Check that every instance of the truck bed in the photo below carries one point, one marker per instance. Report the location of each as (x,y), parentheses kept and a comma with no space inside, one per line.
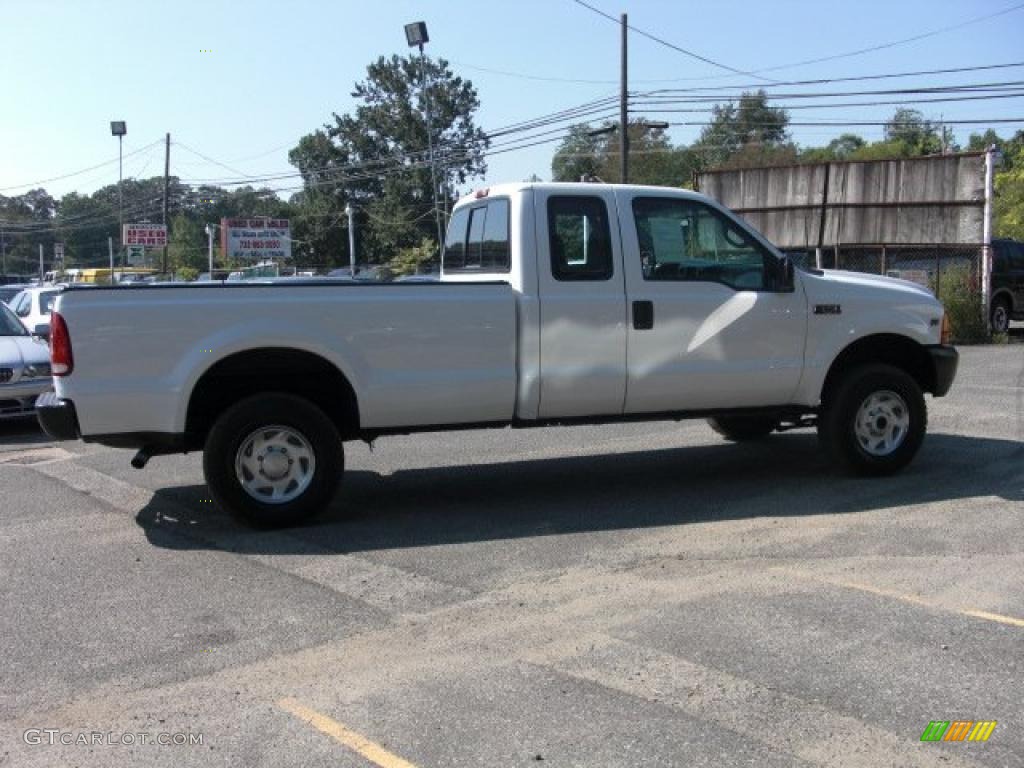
(419,354)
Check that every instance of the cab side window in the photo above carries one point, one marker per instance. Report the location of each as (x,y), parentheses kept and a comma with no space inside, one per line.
(685,240)
(579,237)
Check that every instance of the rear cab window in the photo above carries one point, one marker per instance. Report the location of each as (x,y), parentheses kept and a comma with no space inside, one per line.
(478,238)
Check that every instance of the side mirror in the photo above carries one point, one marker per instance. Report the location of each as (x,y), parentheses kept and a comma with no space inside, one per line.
(785,280)
(42,331)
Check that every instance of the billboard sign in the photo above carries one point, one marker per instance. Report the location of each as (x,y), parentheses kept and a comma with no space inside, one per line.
(256,239)
(145,234)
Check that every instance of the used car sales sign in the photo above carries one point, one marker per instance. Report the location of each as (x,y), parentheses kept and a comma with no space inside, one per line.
(256,239)
(145,234)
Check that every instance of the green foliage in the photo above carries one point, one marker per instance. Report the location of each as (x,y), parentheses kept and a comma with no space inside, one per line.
(1008,210)
(415,259)
(652,158)
(188,274)
(960,293)
(750,124)
(387,140)
(187,244)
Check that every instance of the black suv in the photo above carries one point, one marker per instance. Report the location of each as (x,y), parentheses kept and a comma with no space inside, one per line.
(1007,284)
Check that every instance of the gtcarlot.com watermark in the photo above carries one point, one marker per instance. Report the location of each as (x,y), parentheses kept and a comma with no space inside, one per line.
(55,736)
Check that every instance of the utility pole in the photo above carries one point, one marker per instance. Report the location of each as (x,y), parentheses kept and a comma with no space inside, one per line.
(167,173)
(351,213)
(110,250)
(3,249)
(41,271)
(624,112)
(986,236)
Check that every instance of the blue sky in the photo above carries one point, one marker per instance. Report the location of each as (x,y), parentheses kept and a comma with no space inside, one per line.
(275,71)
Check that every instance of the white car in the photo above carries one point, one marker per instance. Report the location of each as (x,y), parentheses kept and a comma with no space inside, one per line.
(24,367)
(33,305)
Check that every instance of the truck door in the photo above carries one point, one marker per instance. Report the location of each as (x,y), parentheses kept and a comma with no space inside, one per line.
(708,326)
(582,303)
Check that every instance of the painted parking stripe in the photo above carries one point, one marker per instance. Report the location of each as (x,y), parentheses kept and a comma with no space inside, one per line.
(986,615)
(373,752)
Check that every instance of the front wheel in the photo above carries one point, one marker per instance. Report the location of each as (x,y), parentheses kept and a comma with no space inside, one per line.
(273,460)
(875,421)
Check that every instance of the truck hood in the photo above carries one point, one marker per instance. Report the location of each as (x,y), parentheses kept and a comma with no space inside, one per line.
(843,282)
(16,351)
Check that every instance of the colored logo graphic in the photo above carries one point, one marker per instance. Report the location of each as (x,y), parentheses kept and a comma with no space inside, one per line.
(958,730)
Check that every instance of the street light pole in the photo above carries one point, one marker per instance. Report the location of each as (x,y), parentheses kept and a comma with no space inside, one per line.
(416,35)
(209,246)
(119,128)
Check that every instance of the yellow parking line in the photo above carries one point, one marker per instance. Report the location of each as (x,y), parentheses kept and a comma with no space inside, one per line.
(986,615)
(375,753)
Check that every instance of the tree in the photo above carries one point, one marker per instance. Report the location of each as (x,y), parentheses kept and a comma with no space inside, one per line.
(1008,209)
(652,158)
(187,246)
(750,125)
(843,147)
(909,128)
(377,158)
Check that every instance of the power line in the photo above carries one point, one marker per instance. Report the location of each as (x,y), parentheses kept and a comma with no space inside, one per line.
(894,43)
(660,41)
(80,172)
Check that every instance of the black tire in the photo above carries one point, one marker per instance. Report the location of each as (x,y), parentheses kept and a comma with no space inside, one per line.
(307,430)
(741,428)
(1000,316)
(878,446)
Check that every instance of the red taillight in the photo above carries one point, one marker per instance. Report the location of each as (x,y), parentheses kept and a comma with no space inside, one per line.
(62,362)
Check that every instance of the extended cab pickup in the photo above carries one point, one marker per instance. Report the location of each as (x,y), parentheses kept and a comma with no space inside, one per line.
(557,304)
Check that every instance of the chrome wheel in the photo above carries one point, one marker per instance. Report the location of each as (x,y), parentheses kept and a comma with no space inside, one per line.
(882,423)
(275,464)
(1000,318)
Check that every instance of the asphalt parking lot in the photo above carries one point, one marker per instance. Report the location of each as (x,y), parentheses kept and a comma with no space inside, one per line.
(641,595)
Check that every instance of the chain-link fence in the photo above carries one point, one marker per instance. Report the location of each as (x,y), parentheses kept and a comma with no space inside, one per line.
(933,266)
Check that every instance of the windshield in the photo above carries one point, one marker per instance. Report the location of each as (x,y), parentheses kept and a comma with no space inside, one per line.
(10,325)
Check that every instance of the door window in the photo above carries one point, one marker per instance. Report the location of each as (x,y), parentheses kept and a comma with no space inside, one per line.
(580,238)
(685,240)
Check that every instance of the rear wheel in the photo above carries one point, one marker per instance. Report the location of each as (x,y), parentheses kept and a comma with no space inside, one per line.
(742,428)
(875,421)
(1000,317)
(273,460)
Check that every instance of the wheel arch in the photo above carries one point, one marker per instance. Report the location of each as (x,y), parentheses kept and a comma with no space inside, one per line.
(889,348)
(1003,294)
(271,369)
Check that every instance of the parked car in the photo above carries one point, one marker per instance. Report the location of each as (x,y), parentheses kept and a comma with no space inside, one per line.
(24,367)
(33,305)
(1007,283)
(558,304)
(8,292)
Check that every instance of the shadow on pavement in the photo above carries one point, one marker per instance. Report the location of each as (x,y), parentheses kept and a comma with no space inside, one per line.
(24,431)
(785,475)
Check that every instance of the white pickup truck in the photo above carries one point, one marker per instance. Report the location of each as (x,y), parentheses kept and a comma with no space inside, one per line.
(557,304)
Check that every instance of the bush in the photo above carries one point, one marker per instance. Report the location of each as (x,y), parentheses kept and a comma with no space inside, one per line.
(188,274)
(960,294)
